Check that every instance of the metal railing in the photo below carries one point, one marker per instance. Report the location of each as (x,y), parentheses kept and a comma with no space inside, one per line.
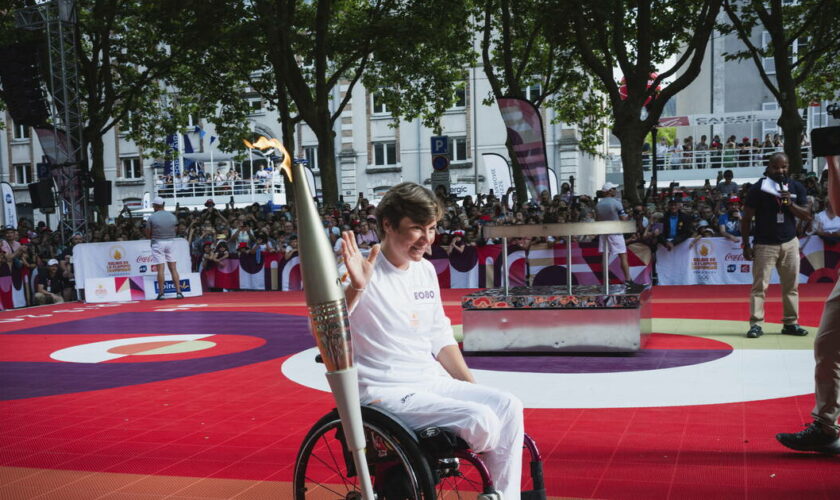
(252,190)
(564,229)
(713,158)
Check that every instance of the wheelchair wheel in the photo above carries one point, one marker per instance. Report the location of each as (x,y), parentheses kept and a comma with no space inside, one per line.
(324,469)
(464,475)
(460,478)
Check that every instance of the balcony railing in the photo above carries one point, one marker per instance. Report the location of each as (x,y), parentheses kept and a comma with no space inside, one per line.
(244,192)
(716,158)
(725,159)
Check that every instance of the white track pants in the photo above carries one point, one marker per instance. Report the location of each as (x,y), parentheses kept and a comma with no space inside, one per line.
(490,420)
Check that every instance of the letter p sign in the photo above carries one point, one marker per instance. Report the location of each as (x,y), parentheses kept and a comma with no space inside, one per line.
(440,145)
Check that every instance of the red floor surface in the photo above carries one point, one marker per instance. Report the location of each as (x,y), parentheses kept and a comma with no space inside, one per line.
(234,432)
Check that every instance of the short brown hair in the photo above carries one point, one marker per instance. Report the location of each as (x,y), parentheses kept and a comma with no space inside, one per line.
(407,199)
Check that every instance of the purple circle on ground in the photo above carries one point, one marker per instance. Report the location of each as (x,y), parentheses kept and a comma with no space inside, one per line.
(646,359)
(284,334)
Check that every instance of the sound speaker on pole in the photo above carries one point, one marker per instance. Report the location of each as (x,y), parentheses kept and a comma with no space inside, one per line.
(22,85)
(41,194)
(101,193)
(825,141)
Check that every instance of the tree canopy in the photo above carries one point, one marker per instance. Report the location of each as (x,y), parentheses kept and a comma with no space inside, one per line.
(638,37)
(800,60)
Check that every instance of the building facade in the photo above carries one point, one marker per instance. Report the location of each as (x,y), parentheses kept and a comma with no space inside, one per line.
(373,151)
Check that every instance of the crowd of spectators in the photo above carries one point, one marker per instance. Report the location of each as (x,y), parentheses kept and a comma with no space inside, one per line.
(195,181)
(215,234)
(688,153)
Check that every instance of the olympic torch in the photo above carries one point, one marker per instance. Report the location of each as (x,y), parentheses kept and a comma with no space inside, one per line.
(328,318)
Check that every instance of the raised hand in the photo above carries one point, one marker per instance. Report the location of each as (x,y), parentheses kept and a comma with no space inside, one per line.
(359,268)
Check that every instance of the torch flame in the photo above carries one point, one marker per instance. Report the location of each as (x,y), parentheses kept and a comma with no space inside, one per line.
(263,143)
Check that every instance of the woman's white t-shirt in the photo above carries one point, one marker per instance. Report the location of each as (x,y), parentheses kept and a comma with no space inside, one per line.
(398,326)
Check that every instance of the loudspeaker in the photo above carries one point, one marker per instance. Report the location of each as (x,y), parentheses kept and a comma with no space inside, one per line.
(101,193)
(41,194)
(825,141)
(22,88)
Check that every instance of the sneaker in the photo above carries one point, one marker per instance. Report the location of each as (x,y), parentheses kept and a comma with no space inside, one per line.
(159,297)
(179,295)
(754,332)
(811,439)
(794,329)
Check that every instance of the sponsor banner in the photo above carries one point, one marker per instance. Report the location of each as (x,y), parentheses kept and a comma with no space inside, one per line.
(525,131)
(708,261)
(498,173)
(190,286)
(462,190)
(13,284)
(9,207)
(122,259)
(720,118)
(553,186)
(719,261)
(119,289)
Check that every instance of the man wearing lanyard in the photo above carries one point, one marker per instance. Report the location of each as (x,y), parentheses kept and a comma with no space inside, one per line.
(775,202)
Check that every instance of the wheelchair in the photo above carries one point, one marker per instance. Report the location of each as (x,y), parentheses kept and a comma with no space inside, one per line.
(404,464)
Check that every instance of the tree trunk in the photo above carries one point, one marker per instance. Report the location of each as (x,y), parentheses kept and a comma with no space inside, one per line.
(631,137)
(792,128)
(519,184)
(326,161)
(288,133)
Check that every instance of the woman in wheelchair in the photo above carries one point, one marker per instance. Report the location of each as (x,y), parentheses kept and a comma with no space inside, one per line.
(411,372)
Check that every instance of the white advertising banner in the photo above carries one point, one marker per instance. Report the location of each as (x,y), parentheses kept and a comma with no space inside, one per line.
(714,261)
(9,206)
(126,289)
(498,173)
(122,259)
(720,118)
(552,182)
(190,286)
(462,190)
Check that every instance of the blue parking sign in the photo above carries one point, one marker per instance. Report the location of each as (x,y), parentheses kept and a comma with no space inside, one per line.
(440,145)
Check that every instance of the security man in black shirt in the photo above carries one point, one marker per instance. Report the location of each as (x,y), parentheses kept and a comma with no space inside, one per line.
(776,244)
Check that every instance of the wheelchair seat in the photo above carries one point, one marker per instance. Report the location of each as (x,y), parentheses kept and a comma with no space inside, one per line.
(440,442)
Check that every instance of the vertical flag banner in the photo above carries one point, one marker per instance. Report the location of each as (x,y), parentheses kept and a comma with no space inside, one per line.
(498,173)
(552,182)
(10,217)
(54,144)
(525,133)
(171,166)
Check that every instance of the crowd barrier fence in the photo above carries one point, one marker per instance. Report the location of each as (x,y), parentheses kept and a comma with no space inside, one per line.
(702,261)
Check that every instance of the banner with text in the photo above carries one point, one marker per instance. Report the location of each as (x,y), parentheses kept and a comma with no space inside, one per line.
(719,261)
(123,259)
